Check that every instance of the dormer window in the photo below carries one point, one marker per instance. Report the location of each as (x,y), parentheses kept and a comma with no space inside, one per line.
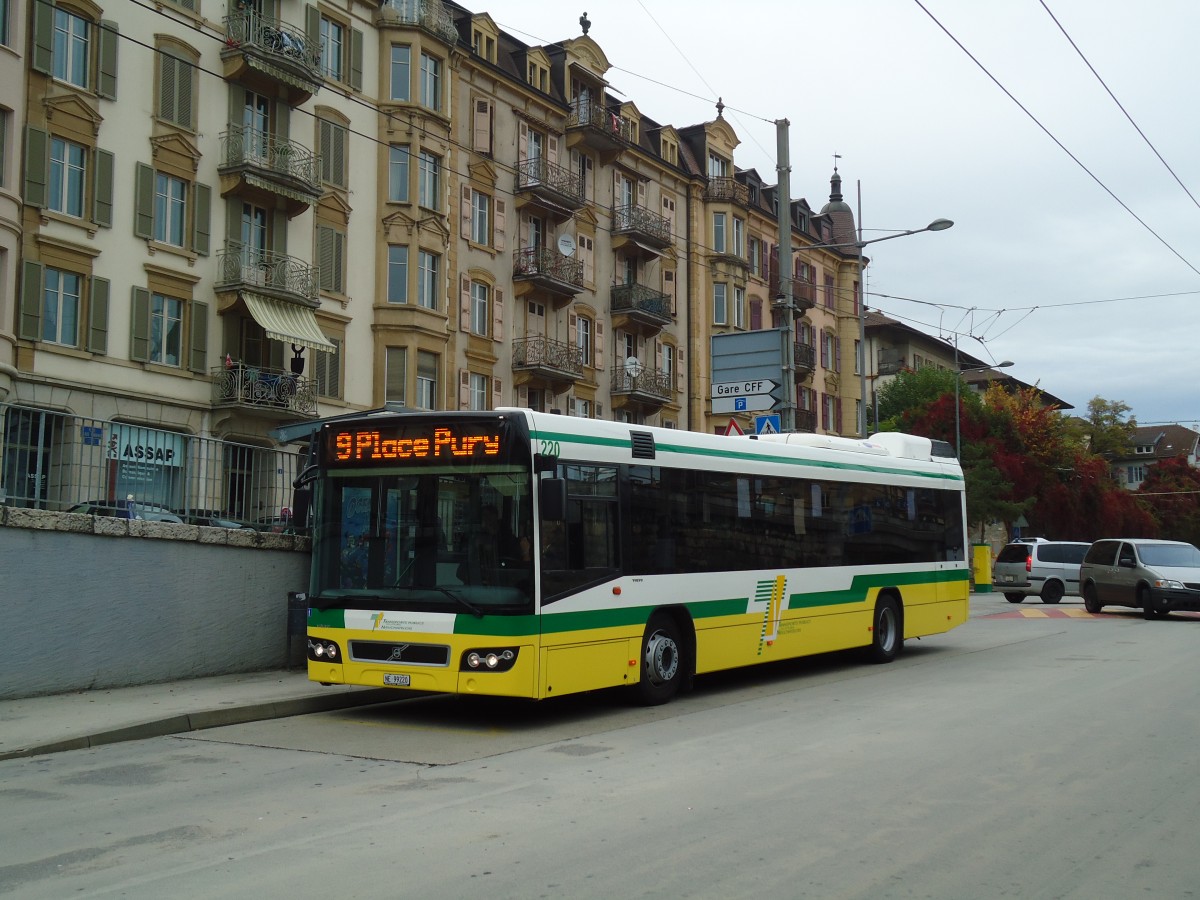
(718,166)
(484,45)
(539,77)
(670,151)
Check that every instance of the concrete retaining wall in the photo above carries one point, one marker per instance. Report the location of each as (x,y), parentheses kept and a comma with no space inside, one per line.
(96,602)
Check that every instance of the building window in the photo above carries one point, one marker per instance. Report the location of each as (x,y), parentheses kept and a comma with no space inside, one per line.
(431,82)
(166,330)
(170,209)
(398,174)
(583,338)
(720,305)
(401,72)
(70,48)
(176,79)
(718,167)
(395,376)
(332,146)
(479,391)
(829,292)
(68,172)
(427,284)
(332,41)
(739,238)
(397,279)
(857,357)
(427,364)
(480,314)
(60,307)
(739,307)
(718,232)
(756,257)
(481,210)
(428,178)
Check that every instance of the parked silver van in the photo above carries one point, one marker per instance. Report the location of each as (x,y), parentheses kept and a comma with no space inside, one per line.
(1158,576)
(1038,567)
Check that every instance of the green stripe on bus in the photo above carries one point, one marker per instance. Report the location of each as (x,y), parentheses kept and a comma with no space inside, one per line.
(622,444)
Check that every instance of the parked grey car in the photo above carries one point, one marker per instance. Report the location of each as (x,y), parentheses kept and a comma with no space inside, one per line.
(1048,569)
(1157,576)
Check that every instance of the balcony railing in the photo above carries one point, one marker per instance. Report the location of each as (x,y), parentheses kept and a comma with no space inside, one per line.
(544,262)
(275,41)
(806,420)
(263,388)
(804,358)
(642,300)
(598,121)
(724,188)
(638,221)
(642,382)
(242,266)
(539,174)
(804,293)
(244,146)
(428,15)
(550,356)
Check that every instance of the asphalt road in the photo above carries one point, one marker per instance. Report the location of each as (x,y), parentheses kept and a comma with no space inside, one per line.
(1022,755)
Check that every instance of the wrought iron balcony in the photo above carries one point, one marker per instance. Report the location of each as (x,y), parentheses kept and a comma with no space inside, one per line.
(806,420)
(641,304)
(650,387)
(804,293)
(547,358)
(428,15)
(266,163)
(560,189)
(242,267)
(597,127)
(804,358)
(547,269)
(642,224)
(891,362)
(263,51)
(262,389)
(724,188)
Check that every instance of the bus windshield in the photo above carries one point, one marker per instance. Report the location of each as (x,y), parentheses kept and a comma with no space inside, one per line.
(432,538)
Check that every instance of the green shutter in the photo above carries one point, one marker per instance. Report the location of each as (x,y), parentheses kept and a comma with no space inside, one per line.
(198,361)
(325,241)
(98,317)
(168,74)
(202,220)
(339,262)
(143,202)
(339,155)
(37,163)
(139,326)
(356,59)
(312,25)
(102,201)
(30,328)
(185,82)
(43,38)
(108,59)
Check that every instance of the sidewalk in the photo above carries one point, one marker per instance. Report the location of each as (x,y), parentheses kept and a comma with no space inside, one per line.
(58,722)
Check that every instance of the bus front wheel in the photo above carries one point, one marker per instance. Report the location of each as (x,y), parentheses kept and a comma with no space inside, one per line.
(887,636)
(662,661)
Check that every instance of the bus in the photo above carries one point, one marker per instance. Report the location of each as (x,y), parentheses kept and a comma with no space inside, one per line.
(525,554)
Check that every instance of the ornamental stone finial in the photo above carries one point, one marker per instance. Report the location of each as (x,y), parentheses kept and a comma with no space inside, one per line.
(584,23)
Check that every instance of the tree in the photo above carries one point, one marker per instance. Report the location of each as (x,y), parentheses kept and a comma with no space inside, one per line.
(1108,432)
(906,399)
(989,495)
(1172,490)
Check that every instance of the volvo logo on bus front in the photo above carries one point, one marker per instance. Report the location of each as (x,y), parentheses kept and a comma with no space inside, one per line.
(398,653)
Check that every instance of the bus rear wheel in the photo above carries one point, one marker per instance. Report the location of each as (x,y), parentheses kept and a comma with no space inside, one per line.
(887,635)
(662,661)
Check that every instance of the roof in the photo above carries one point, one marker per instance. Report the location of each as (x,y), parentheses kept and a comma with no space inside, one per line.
(1168,441)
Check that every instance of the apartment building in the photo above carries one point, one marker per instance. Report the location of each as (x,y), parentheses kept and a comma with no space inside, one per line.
(218,218)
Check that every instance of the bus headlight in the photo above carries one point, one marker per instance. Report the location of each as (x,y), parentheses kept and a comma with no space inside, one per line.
(489,659)
(323,651)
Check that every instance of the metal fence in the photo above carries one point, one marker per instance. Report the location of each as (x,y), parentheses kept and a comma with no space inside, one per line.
(55,461)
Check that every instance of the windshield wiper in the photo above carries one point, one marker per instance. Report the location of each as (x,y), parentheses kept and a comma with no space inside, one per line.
(462,601)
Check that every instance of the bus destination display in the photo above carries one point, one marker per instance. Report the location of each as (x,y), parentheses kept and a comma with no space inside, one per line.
(408,443)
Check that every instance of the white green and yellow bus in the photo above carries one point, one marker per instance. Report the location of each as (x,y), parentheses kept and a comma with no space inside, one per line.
(525,554)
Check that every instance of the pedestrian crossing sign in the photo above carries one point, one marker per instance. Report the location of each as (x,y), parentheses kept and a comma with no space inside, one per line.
(766,424)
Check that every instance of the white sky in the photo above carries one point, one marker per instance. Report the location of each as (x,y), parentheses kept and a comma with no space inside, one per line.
(1043,266)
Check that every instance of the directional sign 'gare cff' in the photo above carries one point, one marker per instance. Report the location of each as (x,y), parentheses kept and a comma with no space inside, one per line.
(744,388)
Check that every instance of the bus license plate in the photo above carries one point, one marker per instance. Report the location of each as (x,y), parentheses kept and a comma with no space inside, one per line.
(397,680)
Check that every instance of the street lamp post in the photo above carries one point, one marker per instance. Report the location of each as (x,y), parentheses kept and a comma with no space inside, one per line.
(958,374)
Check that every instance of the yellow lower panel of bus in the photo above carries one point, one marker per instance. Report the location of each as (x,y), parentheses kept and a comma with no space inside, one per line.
(728,644)
(571,668)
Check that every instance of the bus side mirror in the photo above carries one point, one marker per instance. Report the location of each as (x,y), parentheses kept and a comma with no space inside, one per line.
(554,499)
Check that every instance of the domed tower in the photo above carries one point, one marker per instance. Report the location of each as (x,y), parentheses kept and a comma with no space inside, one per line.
(839,212)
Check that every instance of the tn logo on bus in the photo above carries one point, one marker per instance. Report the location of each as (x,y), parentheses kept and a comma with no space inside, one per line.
(770,594)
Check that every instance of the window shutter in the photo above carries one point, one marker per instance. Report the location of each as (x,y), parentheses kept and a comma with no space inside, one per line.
(168,88)
(523,396)
(43,38)
(570,406)
(102,199)
(109,40)
(679,370)
(641,193)
(143,202)
(498,226)
(339,156)
(497,315)
(139,347)
(97,340)
(572,330)
(31,302)
(464,389)
(37,160)
(497,394)
(466,212)
(198,361)
(522,142)
(552,149)
(356,59)
(482,133)
(464,303)
(837,354)
(185,76)
(201,220)
(312,25)
(598,346)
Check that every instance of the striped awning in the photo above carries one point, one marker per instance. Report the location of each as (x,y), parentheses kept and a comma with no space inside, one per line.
(310,87)
(282,190)
(287,322)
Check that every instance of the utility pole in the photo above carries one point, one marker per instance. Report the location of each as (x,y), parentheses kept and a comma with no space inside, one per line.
(783,262)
